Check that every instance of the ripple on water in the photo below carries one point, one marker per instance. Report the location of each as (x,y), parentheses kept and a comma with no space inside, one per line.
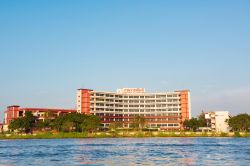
(151,151)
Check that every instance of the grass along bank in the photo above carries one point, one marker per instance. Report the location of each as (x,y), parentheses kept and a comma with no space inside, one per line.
(120,134)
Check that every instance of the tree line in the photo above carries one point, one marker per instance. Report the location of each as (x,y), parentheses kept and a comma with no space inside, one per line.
(66,123)
(72,122)
(194,123)
(240,122)
(89,123)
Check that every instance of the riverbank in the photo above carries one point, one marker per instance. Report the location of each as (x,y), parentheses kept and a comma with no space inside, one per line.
(130,134)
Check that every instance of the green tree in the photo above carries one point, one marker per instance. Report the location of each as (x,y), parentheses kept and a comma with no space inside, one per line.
(45,124)
(25,123)
(202,120)
(192,124)
(115,125)
(57,123)
(91,123)
(239,122)
(67,126)
(138,123)
(17,124)
(76,122)
(68,122)
(29,121)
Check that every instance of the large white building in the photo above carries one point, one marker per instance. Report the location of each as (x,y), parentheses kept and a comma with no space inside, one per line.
(216,120)
(165,110)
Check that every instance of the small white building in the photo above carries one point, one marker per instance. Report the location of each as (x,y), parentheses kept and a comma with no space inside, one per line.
(217,120)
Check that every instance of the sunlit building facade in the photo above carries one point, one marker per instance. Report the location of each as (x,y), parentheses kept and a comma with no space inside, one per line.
(16,111)
(164,110)
(216,120)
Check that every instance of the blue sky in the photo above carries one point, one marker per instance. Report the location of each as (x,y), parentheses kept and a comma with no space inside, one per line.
(50,48)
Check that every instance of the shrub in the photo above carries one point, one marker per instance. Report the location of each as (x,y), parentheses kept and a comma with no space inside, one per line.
(223,134)
(237,134)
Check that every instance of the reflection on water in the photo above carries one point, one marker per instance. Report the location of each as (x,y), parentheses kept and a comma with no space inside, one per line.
(126,151)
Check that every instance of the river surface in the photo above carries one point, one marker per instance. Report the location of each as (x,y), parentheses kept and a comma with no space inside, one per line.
(126,151)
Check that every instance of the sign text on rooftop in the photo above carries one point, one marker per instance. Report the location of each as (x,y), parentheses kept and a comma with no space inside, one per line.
(131,90)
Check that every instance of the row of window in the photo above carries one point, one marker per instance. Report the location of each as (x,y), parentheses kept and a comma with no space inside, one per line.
(153,105)
(148,120)
(134,97)
(132,115)
(136,101)
(150,110)
(137,110)
(151,125)
(165,125)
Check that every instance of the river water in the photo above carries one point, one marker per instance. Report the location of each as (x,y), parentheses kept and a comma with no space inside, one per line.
(126,151)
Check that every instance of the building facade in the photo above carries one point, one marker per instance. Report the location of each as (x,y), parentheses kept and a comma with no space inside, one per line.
(216,120)
(165,110)
(16,111)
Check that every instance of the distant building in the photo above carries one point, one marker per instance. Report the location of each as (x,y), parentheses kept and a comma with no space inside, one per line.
(15,111)
(164,110)
(216,120)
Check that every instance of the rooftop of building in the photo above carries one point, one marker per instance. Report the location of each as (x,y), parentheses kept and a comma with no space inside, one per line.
(41,109)
(133,91)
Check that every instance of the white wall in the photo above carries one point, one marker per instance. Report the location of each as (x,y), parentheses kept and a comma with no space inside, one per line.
(220,121)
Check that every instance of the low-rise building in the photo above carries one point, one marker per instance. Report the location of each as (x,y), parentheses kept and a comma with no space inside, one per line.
(16,111)
(216,120)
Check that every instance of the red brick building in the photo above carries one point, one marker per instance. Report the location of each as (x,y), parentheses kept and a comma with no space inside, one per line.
(16,111)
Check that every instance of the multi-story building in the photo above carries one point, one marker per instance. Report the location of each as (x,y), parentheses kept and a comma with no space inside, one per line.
(15,111)
(216,120)
(165,110)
